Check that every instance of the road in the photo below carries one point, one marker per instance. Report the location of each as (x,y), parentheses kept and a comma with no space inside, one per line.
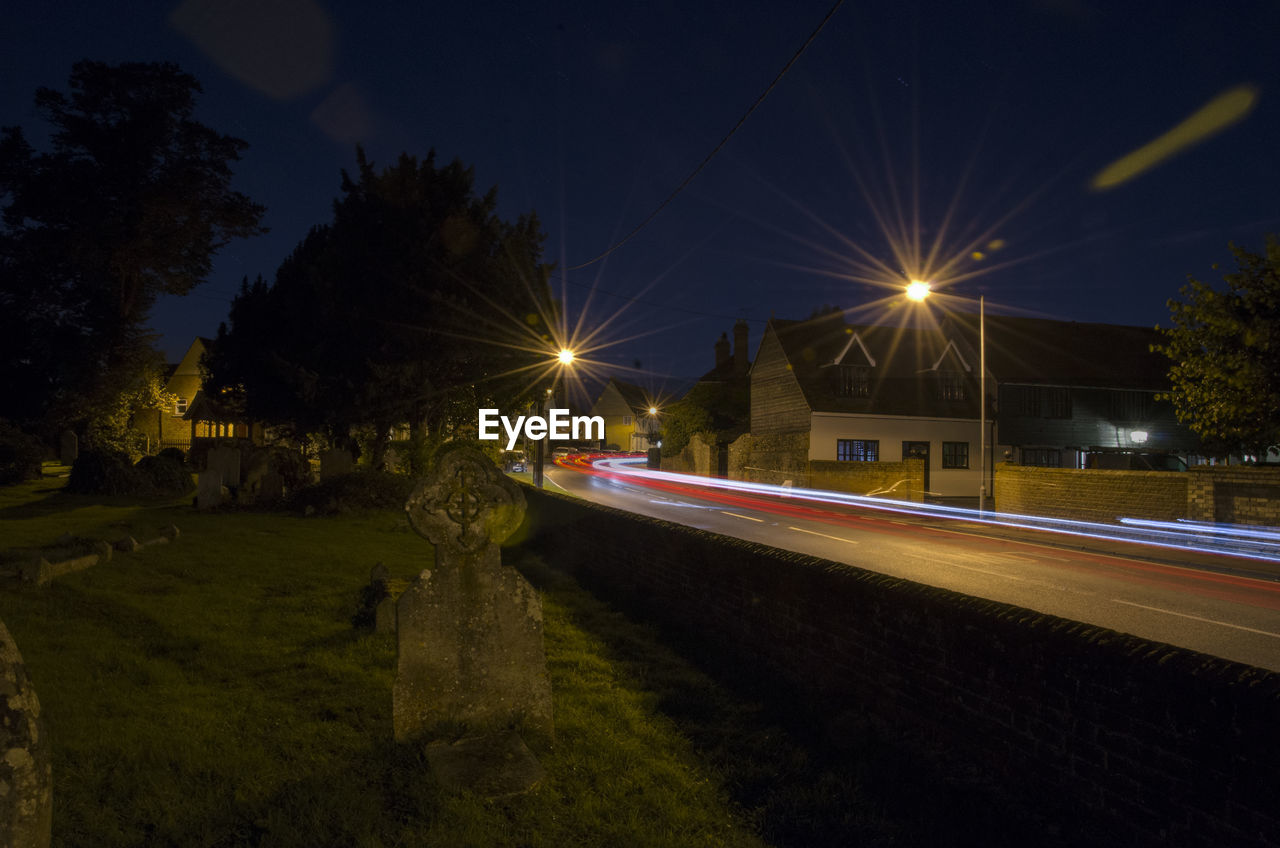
(1227,606)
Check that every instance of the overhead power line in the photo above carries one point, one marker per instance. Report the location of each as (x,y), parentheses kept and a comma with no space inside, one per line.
(694,173)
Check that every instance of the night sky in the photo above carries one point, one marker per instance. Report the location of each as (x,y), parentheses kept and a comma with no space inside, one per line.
(988,122)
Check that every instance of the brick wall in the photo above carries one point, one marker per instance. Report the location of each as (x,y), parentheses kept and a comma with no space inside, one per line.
(1156,745)
(785,456)
(1235,494)
(1092,494)
(770,458)
(696,458)
(899,480)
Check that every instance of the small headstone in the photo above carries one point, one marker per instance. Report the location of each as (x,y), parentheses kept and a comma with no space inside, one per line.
(378,574)
(26,785)
(209,489)
(335,462)
(128,544)
(69,447)
(103,549)
(171,532)
(384,616)
(471,670)
(270,488)
(226,460)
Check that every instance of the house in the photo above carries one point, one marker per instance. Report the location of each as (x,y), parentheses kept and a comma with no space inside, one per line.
(1079,395)
(629,415)
(826,391)
(192,415)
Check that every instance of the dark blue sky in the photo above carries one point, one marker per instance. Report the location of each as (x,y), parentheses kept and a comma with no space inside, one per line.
(592,113)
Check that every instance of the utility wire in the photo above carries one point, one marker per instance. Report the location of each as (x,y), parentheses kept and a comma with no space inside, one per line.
(718,147)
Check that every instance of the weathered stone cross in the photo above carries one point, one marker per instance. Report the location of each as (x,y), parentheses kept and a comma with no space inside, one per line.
(471,677)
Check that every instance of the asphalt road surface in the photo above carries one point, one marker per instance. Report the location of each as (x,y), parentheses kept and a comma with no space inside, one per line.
(1227,606)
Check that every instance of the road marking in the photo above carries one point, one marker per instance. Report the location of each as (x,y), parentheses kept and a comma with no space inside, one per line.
(984,571)
(1196,617)
(824,535)
(749,518)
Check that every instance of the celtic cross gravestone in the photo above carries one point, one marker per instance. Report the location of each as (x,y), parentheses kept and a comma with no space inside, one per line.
(471,676)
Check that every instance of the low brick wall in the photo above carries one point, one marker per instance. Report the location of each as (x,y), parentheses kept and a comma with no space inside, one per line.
(694,459)
(1234,494)
(1092,494)
(1155,744)
(899,480)
(777,459)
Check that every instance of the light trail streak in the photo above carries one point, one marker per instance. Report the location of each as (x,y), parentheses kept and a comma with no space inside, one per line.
(1253,546)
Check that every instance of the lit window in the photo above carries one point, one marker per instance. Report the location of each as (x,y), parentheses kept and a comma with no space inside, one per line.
(951,385)
(955,454)
(858,450)
(855,381)
(180,406)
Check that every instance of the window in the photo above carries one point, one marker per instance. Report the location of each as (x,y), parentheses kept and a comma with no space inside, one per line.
(858,450)
(955,454)
(1036,401)
(626,421)
(855,381)
(951,385)
(180,406)
(1129,406)
(1043,457)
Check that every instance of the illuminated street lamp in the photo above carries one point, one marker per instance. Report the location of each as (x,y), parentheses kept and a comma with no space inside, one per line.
(565,356)
(565,360)
(918,290)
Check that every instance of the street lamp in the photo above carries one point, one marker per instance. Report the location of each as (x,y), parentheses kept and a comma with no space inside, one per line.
(918,290)
(564,358)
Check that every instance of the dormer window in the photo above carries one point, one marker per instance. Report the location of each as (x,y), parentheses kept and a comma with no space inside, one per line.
(180,406)
(951,385)
(855,381)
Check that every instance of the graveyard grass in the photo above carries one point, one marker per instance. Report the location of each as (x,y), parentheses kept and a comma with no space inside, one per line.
(215,692)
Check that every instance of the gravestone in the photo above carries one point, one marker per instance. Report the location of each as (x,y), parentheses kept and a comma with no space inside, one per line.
(69,447)
(208,489)
(335,462)
(226,460)
(270,488)
(26,786)
(471,675)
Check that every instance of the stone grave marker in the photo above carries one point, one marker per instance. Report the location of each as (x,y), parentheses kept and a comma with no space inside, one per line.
(209,489)
(69,447)
(271,488)
(226,460)
(26,799)
(334,462)
(471,676)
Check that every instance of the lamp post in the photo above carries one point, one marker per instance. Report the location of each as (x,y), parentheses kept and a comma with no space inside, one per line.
(564,358)
(918,290)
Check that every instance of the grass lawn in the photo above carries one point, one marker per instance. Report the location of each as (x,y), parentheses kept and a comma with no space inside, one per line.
(214,693)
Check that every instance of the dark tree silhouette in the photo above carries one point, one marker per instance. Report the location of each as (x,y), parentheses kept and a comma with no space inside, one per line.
(416,305)
(130,202)
(1225,351)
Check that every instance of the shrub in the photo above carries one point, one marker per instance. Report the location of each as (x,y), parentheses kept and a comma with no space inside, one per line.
(99,471)
(356,492)
(20,454)
(166,475)
(175,454)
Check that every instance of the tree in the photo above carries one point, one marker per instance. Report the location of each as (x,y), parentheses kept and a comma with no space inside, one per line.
(719,411)
(416,304)
(1225,351)
(132,201)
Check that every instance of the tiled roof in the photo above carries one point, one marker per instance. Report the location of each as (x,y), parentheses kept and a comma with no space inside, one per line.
(1067,353)
(904,367)
(635,397)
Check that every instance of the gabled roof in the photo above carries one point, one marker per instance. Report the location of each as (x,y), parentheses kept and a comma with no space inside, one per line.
(634,396)
(903,365)
(1066,353)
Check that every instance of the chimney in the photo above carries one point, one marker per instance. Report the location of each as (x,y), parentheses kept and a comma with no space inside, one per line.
(740,347)
(722,350)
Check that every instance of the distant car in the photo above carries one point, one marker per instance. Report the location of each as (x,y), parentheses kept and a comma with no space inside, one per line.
(514,460)
(561,453)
